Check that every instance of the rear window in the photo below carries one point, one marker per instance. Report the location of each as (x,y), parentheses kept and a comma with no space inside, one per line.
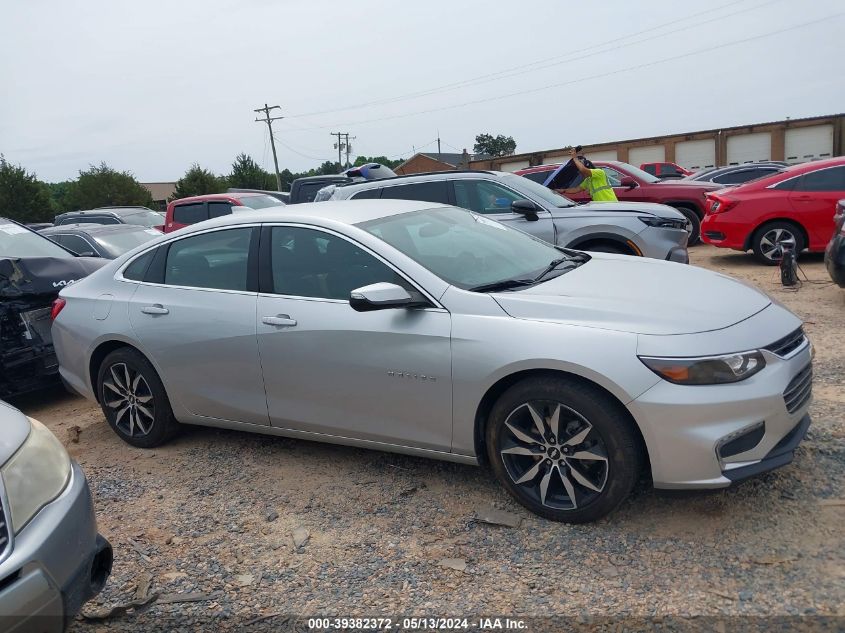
(308,190)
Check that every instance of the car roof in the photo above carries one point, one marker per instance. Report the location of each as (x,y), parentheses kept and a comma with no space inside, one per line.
(94,229)
(420,177)
(234,195)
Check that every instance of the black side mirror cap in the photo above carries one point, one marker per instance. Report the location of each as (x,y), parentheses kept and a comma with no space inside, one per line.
(526,208)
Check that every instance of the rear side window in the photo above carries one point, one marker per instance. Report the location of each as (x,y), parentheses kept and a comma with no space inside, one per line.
(218,209)
(538,176)
(831,179)
(652,169)
(212,260)
(190,213)
(434,191)
(137,270)
(75,243)
(368,194)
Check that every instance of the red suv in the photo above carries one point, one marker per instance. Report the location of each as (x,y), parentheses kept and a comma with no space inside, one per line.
(792,209)
(213,205)
(633,184)
(665,170)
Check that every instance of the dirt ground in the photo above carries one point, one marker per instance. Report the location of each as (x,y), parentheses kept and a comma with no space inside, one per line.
(216,513)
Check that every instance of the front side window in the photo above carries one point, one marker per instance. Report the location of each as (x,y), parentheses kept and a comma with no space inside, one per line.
(636,172)
(484,196)
(537,190)
(190,213)
(432,191)
(312,263)
(212,260)
(614,178)
(832,179)
(651,168)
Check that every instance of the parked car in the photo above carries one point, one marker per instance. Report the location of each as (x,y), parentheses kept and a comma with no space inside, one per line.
(140,216)
(281,196)
(100,240)
(187,211)
(665,170)
(634,185)
(736,174)
(424,329)
(32,271)
(649,230)
(37,226)
(834,254)
(793,208)
(305,189)
(52,560)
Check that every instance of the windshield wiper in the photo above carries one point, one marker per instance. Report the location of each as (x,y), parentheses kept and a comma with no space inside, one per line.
(552,265)
(505,284)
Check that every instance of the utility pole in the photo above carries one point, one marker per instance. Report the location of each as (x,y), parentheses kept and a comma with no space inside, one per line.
(348,148)
(438,141)
(339,146)
(269,121)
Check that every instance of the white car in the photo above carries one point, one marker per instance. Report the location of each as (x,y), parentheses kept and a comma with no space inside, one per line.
(428,330)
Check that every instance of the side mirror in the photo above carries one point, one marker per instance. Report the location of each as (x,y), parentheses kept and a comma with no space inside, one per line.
(526,208)
(628,183)
(380,296)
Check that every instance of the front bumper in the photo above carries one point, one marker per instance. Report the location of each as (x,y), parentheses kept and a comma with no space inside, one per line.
(664,243)
(834,260)
(55,564)
(685,427)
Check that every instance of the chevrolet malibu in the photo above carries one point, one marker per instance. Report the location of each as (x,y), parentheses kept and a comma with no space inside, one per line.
(427,330)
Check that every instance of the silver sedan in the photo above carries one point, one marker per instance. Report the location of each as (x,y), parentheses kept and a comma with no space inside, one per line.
(427,330)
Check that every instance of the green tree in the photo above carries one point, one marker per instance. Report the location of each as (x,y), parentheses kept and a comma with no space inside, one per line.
(22,196)
(494,145)
(198,181)
(58,192)
(247,174)
(384,160)
(102,186)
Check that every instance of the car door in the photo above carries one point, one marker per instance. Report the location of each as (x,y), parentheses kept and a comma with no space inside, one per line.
(494,200)
(382,376)
(814,200)
(194,315)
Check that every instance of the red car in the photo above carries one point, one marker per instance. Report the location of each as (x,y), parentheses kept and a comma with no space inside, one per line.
(665,170)
(793,209)
(213,205)
(633,184)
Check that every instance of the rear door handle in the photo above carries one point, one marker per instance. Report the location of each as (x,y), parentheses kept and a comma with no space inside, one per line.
(282,320)
(803,198)
(155,309)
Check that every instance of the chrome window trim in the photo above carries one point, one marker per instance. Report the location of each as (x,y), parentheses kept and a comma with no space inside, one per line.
(801,175)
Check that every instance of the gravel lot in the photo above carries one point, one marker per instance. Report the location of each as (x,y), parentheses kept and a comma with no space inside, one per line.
(216,513)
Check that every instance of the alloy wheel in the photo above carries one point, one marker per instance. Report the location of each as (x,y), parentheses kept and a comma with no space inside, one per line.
(773,241)
(554,454)
(128,395)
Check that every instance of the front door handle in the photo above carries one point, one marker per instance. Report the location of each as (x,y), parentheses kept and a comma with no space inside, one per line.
(155,309)
(282,320)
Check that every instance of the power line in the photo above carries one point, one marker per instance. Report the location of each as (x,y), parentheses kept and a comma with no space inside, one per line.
(583,79)
(548,62)
(295,151)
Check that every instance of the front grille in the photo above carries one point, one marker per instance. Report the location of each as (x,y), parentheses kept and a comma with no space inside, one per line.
(787,344)
(799,390)
(4,532)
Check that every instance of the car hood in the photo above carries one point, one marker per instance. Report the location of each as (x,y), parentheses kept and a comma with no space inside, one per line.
(23,276)
(653,208)
(15,430)
(638,295)
(696,185)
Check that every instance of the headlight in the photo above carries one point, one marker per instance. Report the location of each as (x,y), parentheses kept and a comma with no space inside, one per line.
(35,475)
(706,370)
(665,223)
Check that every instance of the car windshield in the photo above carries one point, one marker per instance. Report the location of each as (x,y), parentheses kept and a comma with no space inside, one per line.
(143,218)
(118,243)
(16,241)
(636,172)
(463,248)
(260,202)
(536,189)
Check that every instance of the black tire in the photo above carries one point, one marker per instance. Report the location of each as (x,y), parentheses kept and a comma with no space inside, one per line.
(597,424)
(769,240)
(605,247)
(694,225)
(141,415)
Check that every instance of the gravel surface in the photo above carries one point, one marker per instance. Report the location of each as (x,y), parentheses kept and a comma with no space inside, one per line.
(262,525)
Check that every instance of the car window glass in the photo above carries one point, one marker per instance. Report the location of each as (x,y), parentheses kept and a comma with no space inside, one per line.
(311,263)
(257,202)
(91,219)
(368,194)
(75,243)
(832,179)
(219,209)
(732,178)
(433,191)
(652,169)
(190,213)
(614,178)
(538,176)
(308,190)
(211,260)
(138,268)
(483,196)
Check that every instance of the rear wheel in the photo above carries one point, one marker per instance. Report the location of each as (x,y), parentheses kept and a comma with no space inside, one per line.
(564,449)
(770,240)
(693,225)
(133,399)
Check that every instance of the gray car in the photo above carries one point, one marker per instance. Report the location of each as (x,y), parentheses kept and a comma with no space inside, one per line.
(628,228)
(51,558)
(100,240)
(427,330)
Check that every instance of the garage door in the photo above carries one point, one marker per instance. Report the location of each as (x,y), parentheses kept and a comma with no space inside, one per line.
(514,165)
(696,154)
(749,148)
(650,154)
(808,143)
(562,158)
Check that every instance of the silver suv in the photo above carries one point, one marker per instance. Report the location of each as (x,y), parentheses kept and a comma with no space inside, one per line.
(628,228)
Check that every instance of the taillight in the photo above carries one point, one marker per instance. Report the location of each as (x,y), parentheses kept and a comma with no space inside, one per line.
(720,205)
(58,304)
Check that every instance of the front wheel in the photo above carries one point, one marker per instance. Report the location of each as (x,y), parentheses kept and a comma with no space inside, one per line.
(693,225)
(564,449)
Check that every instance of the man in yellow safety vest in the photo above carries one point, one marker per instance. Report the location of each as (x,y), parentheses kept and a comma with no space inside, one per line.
(595,181)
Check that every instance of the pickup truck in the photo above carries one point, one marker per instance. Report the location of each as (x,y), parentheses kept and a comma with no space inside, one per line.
(634,185)
(305,189)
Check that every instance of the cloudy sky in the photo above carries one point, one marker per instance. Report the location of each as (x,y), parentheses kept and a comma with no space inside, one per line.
(154,86)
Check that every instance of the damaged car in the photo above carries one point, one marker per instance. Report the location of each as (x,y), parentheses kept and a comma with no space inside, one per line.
(33,270)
